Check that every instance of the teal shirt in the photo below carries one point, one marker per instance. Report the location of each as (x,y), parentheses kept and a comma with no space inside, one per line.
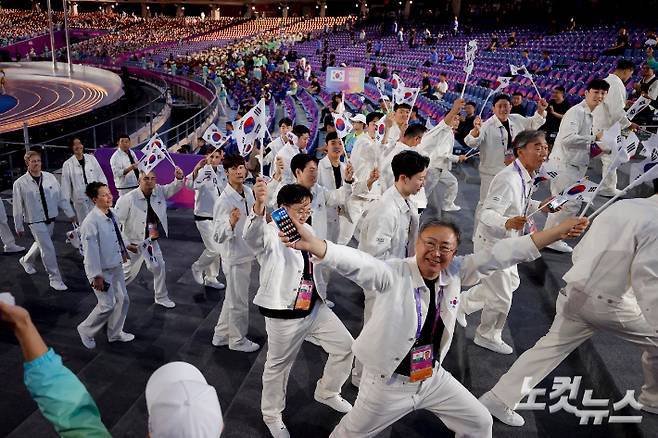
(63,399)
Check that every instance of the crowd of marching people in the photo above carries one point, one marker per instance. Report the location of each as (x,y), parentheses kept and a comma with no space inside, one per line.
(372,213)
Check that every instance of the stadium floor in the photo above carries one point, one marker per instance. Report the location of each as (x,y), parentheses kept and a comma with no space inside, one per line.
(116,374)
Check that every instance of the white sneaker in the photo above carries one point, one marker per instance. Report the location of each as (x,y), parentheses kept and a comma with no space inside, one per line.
(58,285)
(461,317)
(498,347)
(219,342)
(12,247)
(500,410)
(166,302)
(277,429)
(87,341)
(197,274)
(336,403)
(123,337)
(560,246)
(246,346)
(452,207)
(212,282)
(29,267)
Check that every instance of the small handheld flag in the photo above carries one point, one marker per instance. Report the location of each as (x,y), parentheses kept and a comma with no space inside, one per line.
(213,135)
(640,104)
(342,124)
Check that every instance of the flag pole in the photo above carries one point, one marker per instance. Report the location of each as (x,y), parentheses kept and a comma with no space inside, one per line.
(412,105)
(485,102)
(464,87)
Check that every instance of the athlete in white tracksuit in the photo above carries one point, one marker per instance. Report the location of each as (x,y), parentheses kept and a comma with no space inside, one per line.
(294,309)
(104,252)
(571,151)
(230,215)
(504,212)
(611,111)
(78,171)
(125,169)
(403,344)
(36,201)
(390,228)
(142,214)
(208,179)
(494,140)
(611,287)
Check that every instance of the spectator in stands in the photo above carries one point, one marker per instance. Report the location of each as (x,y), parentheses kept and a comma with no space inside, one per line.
(450,56)
(557,107)
(59,394)
(525,60)
(400,37)
(426,86)
(434,56)
(455,26)
(379,45)
(621,44)
(546,64)
(441,88)
(315,87)
(414,118)
(373,73)
(384,73)
(466,121)
(517,104)
(511,40)
(293,89)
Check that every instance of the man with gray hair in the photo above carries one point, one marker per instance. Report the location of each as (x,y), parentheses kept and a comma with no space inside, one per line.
(413,321)
(505,213)
(142,214)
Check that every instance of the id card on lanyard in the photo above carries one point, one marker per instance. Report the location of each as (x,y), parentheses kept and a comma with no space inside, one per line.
(305,289)
(526,194)
(422,356)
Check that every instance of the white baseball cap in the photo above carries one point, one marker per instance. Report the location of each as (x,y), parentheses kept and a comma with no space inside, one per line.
(181,404)
(359,118)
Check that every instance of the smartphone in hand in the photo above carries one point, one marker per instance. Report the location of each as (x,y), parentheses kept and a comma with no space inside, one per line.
(284,223)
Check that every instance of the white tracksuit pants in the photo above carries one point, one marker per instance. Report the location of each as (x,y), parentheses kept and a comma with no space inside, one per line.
(6,235)
(382,401)
(485,182)
(82,209)
(209,260)
(567,176)
(493,295)
(157,268)
(578,317)
(451,187)
(233,321)
(112,307)
(43,245)
(285,338)
(609,184)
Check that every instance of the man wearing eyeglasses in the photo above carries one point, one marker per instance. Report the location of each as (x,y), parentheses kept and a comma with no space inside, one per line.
(505,213)
(403,344)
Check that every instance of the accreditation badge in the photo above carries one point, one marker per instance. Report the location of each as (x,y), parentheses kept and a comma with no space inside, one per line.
(421,363)
(304,294)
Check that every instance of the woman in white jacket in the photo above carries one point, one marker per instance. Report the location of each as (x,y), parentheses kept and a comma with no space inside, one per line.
(77,172)
(104,252)
(287,278)
(230,215)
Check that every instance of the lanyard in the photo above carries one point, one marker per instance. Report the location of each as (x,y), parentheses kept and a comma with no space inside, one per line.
(526,194)
(419,310)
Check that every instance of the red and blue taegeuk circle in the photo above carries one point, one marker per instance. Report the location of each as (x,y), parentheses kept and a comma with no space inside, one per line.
(580,188)
(216,136)
(249,125)
(340,124)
